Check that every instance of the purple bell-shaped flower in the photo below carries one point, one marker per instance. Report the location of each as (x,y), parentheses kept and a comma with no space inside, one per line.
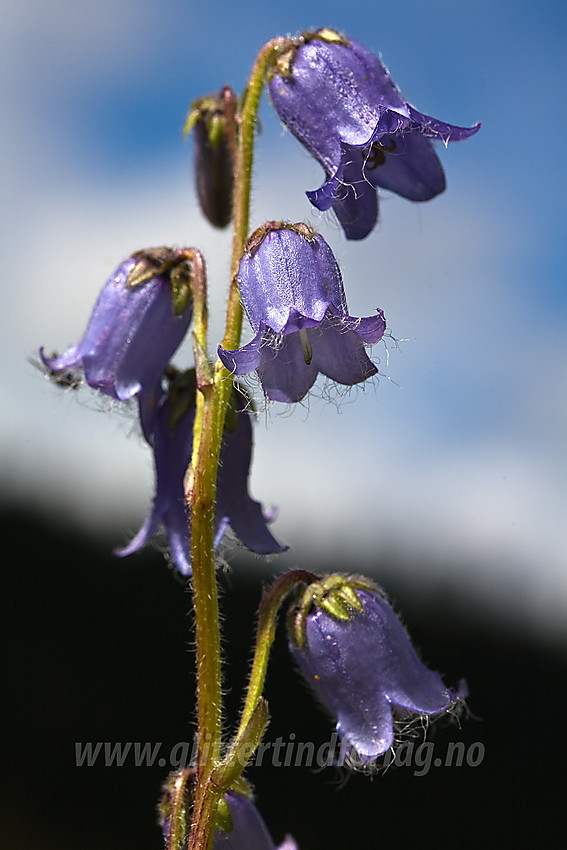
(138,322)
(338,99)
(172,445)
(292,290)
(354,652)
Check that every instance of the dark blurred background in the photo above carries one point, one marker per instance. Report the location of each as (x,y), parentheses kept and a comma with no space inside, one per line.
(100,649)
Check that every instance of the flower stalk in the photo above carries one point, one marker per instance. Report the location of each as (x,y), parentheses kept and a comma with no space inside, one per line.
(265,635)
(178,814)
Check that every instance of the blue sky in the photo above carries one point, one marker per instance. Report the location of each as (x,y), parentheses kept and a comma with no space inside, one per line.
(456,458)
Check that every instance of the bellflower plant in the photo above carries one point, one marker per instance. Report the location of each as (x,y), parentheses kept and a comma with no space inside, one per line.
(139,320)
(354,652)
(338,99)
(292,291)
(172,447)
(341,103)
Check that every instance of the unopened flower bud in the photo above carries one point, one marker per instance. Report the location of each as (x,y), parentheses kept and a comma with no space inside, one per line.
(207,119)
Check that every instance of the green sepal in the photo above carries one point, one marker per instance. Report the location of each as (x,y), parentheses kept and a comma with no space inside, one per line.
(335,606)
(209,109)
(181,290)
(223,818)
(216,130)
(258,236)
(147,264)
(192,117)
(326,34)
(283,62)
(154,262)
(202,108)
(335,594)
(151,262)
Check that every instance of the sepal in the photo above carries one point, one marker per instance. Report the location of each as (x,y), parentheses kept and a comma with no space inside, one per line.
(334,594)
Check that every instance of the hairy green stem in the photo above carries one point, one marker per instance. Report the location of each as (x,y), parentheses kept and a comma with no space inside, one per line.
(178,813)
(200,326)
(242,182)
(202,490)
(203,816)
(265,635)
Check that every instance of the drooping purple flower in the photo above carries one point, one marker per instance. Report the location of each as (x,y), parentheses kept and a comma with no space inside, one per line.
(292,290)
(172,446)
(338,99)
(138,322)
(249,832)
(353,650)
